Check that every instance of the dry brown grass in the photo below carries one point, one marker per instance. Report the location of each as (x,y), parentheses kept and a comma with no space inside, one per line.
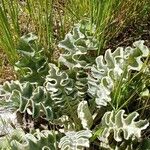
(6,70)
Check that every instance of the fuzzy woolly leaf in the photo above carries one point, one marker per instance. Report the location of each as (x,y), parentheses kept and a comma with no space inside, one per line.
(62,90)
(77,44)
(18,140)
(33,64)
(75,140)
(120,124)
(28,94)
(81,83)
(111,67)
(85,115)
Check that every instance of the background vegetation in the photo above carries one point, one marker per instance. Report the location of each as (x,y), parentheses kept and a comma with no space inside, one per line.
(50,20)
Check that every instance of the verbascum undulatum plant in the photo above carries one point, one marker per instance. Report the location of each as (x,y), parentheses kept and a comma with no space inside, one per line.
(62,90)
(33,63)
(109,69)
(40,140)
(28,94)
(121,126)
(77,45)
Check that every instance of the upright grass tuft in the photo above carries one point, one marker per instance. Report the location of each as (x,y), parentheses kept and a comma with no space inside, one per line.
(40,13)
(109,16)
(50,20)
(9,28)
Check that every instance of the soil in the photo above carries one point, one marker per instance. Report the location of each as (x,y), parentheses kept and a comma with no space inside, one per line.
(131,33)
(6,70)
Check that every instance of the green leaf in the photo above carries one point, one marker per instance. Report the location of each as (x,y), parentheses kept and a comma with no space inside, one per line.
(77,44)
(145,145)
(123,127)
(85,115)
(75,140)
(113,67)
(33,63)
